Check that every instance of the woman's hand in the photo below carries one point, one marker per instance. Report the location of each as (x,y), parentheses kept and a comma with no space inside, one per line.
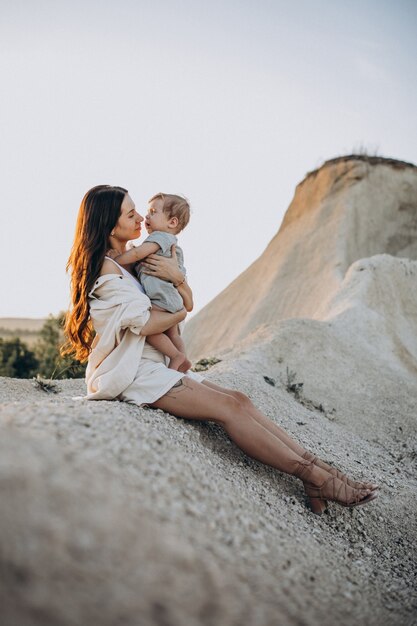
(163,267)
(167,269)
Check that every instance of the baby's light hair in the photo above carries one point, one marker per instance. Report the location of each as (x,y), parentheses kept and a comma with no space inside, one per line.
(174,206)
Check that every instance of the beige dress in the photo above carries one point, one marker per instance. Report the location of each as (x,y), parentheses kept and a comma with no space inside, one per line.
(121,364)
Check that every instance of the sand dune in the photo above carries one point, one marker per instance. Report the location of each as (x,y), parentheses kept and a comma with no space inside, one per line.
(347,210)
(359,363)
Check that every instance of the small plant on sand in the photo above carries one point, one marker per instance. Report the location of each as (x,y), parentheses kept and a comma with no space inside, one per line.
(43,384)
(296,389)
(204,364)
(293,387)
(366,151)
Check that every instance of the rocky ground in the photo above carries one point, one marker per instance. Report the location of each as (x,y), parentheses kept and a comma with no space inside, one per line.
(113,514)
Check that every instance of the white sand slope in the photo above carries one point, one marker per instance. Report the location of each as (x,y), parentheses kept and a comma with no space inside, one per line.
(349,209)
(359,364)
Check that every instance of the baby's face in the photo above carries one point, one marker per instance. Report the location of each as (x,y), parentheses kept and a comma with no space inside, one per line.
(156,219)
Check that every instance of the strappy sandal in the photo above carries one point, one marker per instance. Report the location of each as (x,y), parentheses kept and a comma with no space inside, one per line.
(329,490)
(317,505)
(332,489)
(309,456)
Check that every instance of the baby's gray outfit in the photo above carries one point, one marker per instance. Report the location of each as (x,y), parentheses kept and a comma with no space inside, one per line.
(161,292)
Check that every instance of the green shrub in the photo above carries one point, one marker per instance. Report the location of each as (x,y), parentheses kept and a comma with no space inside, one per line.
(51,363)
(16,360)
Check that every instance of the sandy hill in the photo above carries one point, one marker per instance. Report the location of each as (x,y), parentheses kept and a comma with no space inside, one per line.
(117,515)
(351,208)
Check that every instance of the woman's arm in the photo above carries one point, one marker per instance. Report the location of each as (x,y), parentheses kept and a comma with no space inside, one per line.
(186,294)
(159,321)
(167,268)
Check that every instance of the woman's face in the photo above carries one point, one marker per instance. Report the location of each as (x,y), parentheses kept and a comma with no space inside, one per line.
(128,225)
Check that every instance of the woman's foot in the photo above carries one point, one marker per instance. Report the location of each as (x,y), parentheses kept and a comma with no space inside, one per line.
(308,456)
(337,491)
(320,486)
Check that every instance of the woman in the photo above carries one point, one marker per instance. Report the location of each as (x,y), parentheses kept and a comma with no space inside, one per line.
(107,300)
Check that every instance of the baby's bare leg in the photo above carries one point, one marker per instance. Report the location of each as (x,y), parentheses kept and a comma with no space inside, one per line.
(174,334)
(165,344)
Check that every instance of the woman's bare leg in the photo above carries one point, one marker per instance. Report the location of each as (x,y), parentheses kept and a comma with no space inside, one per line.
(259,417)
(192,400)
(281,434)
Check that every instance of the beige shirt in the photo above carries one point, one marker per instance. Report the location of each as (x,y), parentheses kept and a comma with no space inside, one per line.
(118,310)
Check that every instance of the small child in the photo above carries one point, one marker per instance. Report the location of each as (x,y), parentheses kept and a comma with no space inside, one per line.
(167,216)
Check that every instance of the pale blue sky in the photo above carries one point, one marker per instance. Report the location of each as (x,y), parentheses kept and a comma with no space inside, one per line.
(229,103)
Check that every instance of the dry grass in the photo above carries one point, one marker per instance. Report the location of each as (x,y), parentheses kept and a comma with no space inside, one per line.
(362,155)
(26,329)
(18,324)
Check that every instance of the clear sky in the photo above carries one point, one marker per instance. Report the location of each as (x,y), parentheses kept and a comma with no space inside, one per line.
(229,102)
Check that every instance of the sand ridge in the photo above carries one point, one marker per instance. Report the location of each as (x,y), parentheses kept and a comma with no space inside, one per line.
(349,210)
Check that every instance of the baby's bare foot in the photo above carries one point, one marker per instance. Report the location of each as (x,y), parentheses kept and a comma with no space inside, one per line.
(176,363)
(185,366)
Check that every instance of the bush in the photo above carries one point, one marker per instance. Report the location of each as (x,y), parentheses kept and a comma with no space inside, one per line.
(51,363)
(16,360)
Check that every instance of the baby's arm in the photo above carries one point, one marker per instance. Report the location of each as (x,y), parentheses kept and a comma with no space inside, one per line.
(137,254)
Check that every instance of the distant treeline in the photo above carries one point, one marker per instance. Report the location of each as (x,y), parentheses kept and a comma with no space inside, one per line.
(17,360)
(21,332)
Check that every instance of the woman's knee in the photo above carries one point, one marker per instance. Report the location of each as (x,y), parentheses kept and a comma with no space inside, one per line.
(235,411)
(231,408)
(242,399)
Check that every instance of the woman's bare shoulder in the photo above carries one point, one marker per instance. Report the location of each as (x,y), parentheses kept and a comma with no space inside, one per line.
(109,267)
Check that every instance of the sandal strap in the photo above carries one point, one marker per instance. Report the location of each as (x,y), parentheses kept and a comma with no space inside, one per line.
(303,469)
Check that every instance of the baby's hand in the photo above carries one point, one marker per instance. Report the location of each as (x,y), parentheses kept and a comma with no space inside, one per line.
(112,253)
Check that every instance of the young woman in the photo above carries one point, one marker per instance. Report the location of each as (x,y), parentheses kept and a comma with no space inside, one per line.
(108,301)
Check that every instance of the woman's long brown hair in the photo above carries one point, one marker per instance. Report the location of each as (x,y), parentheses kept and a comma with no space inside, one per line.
(99,211)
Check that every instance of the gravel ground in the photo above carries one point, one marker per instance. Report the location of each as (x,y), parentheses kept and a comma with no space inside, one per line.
(113,514)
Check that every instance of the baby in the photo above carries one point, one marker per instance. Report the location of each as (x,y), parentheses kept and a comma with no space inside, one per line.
(167,216)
